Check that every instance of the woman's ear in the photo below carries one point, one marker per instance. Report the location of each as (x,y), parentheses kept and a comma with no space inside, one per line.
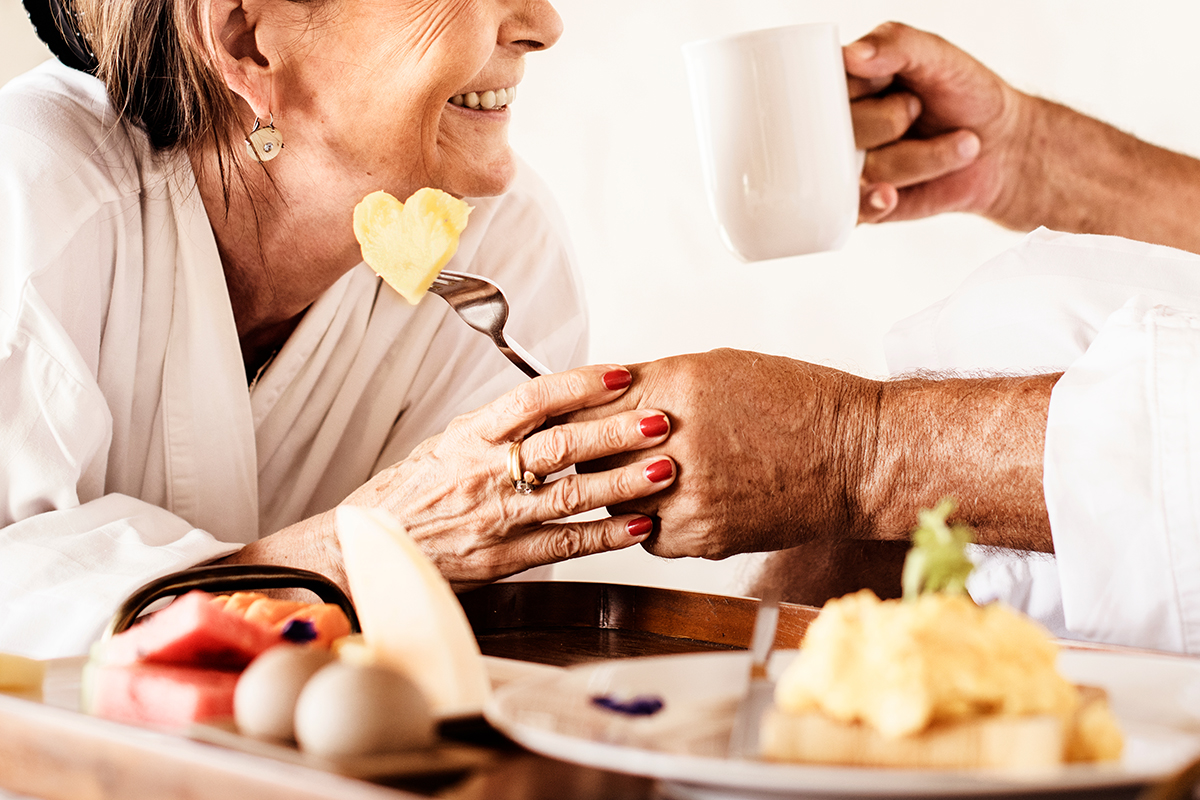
(237,55)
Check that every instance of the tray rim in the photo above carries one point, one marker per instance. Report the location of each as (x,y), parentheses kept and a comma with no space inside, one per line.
(672,613)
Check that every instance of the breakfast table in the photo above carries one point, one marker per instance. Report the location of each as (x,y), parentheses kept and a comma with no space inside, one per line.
(50,749)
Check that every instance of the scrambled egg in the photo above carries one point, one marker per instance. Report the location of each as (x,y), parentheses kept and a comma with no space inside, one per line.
(902,666)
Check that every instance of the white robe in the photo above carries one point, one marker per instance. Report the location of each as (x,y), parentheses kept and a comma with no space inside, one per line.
(130,446)
(1122,488)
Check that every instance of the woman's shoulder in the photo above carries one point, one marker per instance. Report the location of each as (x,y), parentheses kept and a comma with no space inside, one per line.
(58,131)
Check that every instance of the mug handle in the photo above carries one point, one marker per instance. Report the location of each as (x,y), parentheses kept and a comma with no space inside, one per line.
(229,577)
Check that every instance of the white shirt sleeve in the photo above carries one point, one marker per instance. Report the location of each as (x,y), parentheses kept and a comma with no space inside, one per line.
(64,572)
(1120,319)
(1122,480)
(69,554)
(72,546)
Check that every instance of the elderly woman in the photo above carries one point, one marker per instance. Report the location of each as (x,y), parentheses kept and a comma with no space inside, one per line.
(196,365)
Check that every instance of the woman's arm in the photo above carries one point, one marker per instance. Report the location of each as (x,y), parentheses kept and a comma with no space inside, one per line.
(310,544)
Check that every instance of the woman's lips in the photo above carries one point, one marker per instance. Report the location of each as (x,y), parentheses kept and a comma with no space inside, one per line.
(486,101)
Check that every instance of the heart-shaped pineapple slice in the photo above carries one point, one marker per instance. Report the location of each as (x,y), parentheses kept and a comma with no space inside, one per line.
(408,243)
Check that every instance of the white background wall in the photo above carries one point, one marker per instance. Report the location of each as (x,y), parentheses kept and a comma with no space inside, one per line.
(606,118)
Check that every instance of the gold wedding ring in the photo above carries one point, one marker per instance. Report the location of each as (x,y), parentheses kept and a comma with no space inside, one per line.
(523,481)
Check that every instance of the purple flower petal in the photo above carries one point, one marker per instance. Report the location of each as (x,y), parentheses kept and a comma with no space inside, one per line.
(299,631)
(642,705)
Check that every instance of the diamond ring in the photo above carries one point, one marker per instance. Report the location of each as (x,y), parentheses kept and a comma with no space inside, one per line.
(523,481)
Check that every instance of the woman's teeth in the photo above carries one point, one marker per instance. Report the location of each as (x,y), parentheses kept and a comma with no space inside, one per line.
(490,99)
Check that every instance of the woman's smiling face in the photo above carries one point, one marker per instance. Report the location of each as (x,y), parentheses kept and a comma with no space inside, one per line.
(410,93)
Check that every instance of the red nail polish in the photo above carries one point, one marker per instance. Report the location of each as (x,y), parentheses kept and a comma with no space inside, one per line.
(640,526)
(654,426)
(617,379)
(659,471)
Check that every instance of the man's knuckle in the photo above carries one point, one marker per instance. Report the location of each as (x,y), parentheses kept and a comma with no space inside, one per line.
(896,117)
(892,30)
(950,152)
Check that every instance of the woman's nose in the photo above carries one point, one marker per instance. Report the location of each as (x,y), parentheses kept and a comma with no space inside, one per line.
(531,25)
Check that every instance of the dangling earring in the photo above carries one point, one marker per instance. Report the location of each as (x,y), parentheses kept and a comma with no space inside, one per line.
(263,144)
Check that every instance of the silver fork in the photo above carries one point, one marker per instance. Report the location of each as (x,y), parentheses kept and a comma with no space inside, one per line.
(481,305)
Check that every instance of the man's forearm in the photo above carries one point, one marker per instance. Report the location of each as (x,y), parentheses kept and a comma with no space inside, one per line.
(1080,175)
(978,440)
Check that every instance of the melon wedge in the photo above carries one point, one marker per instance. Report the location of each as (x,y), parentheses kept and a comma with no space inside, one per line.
(328,619)
(408,243)
(410,618)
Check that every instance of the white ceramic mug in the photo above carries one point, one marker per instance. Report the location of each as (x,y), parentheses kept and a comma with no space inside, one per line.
(776,141)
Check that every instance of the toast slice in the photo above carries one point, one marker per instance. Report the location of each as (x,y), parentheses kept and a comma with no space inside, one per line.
(1002,741)
(999,741)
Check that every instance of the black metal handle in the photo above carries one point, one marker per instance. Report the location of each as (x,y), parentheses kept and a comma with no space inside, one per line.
(227,578)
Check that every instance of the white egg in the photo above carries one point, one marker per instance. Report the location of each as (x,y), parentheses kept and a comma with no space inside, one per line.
(264,702)
(360,709)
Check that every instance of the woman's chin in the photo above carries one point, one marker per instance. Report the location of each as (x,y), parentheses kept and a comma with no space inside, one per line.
(478,172)
(483,184)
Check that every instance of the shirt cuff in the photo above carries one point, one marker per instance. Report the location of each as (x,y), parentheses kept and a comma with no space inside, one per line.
(1121,438)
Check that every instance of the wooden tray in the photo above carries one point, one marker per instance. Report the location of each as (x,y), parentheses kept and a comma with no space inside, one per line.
(564,623)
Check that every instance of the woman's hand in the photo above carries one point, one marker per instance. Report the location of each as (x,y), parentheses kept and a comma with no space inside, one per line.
(455,496)
(942,132)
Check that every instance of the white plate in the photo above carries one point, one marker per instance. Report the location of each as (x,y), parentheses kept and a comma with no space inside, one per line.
(1156,698)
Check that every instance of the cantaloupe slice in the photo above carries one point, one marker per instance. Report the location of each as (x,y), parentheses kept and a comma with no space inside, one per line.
(410,618)
(409,243)
(329,620)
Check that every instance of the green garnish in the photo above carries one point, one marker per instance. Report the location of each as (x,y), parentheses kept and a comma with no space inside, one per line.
(937,561)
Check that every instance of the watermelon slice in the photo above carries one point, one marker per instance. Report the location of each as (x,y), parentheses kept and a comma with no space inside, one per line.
(192,631)
(159,694)
(181,665)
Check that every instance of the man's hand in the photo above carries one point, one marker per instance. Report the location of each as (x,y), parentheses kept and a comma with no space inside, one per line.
(941,130)
(765,448)
(944,133)
(772,453)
